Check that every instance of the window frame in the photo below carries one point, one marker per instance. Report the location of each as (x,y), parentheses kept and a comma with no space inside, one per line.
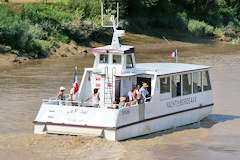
(169,87)
(181,90)
(208,80)
(127,67)
(120,59)
(108,57)
(191,89)
(200,72)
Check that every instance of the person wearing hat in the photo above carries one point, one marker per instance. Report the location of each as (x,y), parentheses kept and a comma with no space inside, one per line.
(122,102)
(143,92)
(61,93)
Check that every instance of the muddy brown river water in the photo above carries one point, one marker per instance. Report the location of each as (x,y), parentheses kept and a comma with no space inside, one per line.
(215,137)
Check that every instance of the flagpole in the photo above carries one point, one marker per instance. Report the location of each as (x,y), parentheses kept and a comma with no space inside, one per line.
(176,56)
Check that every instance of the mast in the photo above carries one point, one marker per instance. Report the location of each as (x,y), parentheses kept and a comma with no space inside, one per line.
(116,33)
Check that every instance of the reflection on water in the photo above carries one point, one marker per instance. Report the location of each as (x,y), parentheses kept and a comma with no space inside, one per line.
(216,137)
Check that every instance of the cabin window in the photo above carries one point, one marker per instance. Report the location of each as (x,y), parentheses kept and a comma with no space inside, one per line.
(116,59)
(206,81)
(129,61)
(197,82)
(187,83)
(103,58)
(176,85)
(165,85)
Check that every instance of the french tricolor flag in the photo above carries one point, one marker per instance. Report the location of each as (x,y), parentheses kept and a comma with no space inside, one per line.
(75,81)
(173,54)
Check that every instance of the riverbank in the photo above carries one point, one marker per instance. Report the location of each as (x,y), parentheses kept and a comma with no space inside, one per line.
(12,59)
(35,29)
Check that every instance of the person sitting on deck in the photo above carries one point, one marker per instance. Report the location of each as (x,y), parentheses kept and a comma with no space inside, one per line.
(114,105)
(61,93)
(95,98)
(143,92)
(123,103)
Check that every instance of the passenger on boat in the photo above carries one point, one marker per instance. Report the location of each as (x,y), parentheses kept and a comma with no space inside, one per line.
(130,95)
(61,93)
(115,106)
(95,98)
(143,93)
(71,97)
(122,102)
(136,95)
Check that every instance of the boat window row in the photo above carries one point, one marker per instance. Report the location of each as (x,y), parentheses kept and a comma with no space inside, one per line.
(116,59)
(185,84)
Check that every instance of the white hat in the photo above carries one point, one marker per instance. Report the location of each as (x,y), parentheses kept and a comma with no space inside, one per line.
(62,88)
(122,99)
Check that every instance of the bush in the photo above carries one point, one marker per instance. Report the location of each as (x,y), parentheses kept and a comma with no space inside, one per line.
(218,33)
(200,28)
(90,8)
(209,30)
(20,34)
(64,22)
(79,30)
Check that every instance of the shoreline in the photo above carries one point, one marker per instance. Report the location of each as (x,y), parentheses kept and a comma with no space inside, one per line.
(11,60)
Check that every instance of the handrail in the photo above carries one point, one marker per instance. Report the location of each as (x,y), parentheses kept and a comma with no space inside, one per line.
(148,98)
(83,104)
(62,102)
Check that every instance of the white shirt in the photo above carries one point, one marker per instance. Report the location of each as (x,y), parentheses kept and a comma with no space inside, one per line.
(72,93)
(130,95)
(95,100)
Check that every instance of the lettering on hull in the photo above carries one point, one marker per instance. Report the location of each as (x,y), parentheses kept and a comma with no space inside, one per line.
(184,101)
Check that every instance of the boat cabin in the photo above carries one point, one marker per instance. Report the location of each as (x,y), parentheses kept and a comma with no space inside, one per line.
(115,73)
(121,60)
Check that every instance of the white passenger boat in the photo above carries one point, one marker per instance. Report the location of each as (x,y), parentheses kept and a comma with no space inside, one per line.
(180,94)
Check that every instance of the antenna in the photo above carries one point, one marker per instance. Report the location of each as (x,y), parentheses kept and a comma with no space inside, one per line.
(116,33)
(112,18)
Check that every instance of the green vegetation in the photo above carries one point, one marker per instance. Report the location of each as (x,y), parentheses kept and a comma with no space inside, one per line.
(34,28)
(210,18)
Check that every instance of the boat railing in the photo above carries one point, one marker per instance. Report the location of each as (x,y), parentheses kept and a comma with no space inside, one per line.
(128,104)
(54,101)
(133,103)
(148,99)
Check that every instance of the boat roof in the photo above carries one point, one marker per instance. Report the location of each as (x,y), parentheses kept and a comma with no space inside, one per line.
(124,49)
(169,68)
(161,69)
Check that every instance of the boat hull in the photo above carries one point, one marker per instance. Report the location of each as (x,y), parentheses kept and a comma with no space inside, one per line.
(143,127)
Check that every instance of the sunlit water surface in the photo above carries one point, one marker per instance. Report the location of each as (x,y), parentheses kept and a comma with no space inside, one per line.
(216,137)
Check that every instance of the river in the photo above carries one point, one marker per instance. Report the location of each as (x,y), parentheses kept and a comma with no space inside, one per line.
(215,137)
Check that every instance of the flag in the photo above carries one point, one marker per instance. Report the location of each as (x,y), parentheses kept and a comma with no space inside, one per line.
(75,81)
(173,54)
